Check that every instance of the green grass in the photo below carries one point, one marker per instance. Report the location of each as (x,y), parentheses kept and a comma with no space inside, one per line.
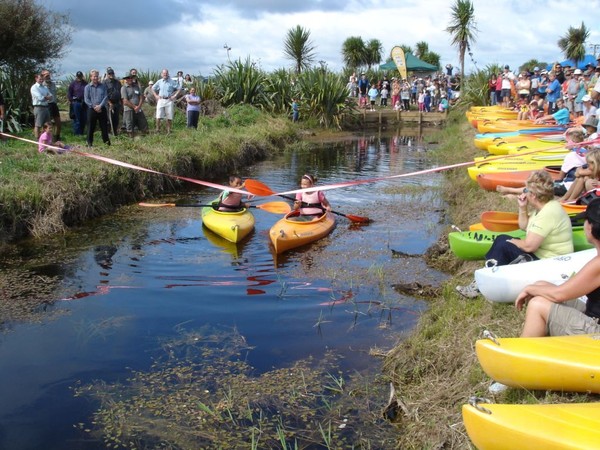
(43,193)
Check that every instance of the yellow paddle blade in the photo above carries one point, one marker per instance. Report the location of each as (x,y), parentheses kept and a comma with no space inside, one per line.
(275,207)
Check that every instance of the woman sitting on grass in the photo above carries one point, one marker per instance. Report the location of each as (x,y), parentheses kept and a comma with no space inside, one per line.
(547,225)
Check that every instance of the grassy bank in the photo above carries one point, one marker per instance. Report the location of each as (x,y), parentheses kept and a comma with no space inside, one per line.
(43,194)
(436,370)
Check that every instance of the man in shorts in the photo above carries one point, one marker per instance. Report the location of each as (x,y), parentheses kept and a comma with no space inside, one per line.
(165,91)
(40,97)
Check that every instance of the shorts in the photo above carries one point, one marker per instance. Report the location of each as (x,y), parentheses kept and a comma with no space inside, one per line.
(568,318)
(164,109)
(41,115)
(505,93)
(53,110)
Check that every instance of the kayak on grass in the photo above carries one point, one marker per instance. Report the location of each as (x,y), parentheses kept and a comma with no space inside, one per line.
(532,427)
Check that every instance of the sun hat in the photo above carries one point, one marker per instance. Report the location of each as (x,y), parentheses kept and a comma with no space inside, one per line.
(535,69)
(577,72)
(586,98)
(150,82)
(127,76)
(591,213)
(591,122)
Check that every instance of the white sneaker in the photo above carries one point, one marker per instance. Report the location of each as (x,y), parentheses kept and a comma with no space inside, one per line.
(497,388)
(469,291)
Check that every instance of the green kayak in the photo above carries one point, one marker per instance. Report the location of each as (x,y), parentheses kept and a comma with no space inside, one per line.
(473,245)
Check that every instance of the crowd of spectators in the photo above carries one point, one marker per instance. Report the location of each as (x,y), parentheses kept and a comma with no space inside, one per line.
(425,93)
(576,89)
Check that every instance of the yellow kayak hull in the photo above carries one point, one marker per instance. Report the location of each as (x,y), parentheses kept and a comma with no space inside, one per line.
(533,427)
(560,363)
(232,226)
(287,234)
(516,166)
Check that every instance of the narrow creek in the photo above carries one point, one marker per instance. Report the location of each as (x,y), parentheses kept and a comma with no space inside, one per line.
(128,290)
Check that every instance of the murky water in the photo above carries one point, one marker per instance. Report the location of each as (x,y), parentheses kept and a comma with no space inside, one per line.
(126,283)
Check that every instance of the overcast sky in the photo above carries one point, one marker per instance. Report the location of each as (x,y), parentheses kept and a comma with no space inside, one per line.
(190,35)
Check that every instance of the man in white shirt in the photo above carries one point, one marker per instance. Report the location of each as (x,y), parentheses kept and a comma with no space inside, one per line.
(40,97)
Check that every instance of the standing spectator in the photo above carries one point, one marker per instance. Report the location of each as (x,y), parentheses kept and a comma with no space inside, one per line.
(535,81)
(553,92)
(77,106)
(165,92)
(427,101)
(133,114)
(523,86)
(193,108)
(113,91)
(2,113)
(413,91)
(492,88)
(40,96)
(353,85)
(421,100)
(52,105)
(396,88)
(149,94)
(363,89)
(96,99)
(373,93)
(405,95)
(558,71)
(385,92)
(295,110)
(507,84)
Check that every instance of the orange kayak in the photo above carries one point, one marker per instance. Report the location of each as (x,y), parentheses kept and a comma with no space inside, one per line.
(489,181)
(287,234)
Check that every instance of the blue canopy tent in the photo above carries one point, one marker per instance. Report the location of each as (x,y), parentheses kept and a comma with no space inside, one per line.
(587,59)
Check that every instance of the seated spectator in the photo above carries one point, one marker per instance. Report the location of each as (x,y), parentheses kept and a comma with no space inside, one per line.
(585,178)
(555,309)
(560,117)
(46,139)
(547,225)
(149,94)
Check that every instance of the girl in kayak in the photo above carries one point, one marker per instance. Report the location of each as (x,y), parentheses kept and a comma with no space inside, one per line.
(310,204)
(232,201)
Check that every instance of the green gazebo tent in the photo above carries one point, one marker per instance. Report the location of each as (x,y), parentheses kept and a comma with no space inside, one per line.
(413,64)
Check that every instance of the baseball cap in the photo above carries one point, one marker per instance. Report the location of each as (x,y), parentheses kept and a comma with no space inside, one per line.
(591,213)
(507,66)
(586,98)
(79,74)
(535,69)
(577,72)
(110,71)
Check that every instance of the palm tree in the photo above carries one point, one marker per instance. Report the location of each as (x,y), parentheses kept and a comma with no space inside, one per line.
(422,48)
(299,48)
(353,52)
(573,43)
(462,29)
(374,48)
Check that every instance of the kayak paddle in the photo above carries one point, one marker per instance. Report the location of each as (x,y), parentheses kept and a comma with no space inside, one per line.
(500,220)
(257,188)
(272,207)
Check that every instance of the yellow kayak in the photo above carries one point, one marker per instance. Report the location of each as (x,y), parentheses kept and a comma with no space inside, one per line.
(532,427)
(233,226)
(512,165)
(560,363)
(287,234)
(525,146)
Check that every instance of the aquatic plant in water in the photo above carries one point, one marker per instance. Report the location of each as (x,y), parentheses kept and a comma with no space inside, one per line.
(202,394)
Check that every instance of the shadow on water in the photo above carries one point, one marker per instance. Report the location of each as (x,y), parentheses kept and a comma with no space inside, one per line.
(172,336)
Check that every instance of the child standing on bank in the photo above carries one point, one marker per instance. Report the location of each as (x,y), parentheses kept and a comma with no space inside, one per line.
(295,110)
(373,93)
(384,95)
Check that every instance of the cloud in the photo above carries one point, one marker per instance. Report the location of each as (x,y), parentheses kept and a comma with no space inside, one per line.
(190,34)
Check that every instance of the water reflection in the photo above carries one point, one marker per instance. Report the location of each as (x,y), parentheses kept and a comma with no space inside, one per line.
(123,284)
